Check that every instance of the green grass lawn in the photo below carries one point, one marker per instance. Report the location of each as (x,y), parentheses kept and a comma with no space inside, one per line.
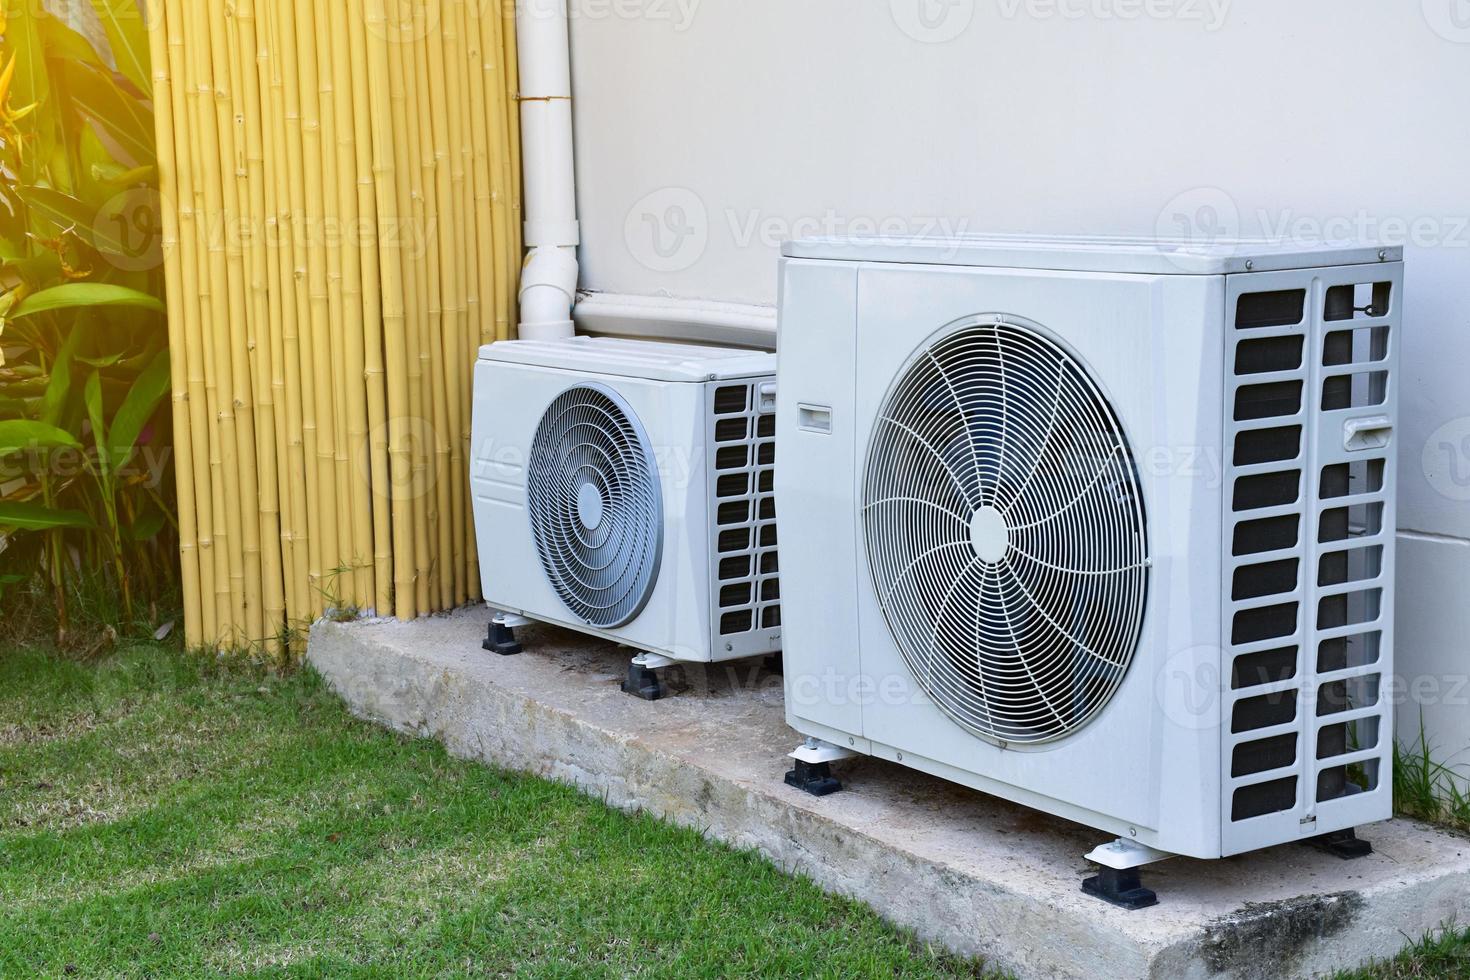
(162,817)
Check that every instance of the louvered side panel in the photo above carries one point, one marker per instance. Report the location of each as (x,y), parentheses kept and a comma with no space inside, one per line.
(1308,517)
(745,587)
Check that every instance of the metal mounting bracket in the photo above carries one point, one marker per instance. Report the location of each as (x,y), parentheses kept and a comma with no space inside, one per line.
(1117,881)
(814,751)
(1123,854)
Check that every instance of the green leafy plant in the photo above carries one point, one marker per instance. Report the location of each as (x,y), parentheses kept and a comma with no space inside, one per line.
(85,481)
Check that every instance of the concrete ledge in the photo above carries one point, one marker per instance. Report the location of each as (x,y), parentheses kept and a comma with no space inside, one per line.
(978,875)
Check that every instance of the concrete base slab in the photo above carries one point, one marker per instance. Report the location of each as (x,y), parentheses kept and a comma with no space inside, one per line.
(974,873)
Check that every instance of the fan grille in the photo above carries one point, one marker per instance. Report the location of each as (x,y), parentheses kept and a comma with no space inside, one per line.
(1005,532)
(596,513)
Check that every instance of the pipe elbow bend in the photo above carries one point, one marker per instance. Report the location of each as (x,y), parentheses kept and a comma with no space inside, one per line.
(548,291)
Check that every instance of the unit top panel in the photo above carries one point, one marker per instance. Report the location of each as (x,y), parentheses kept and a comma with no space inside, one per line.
(1145,256)
(629,358)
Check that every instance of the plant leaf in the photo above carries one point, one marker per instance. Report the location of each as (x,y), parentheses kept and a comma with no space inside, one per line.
(96,96)
(38,517)
(5,76)
(30,84)
(84,294)
(58,389)
(137,408)
(19,434)
(82,20)
(127,32)
(92,395)
(146,526)
(68,213)
(30,89)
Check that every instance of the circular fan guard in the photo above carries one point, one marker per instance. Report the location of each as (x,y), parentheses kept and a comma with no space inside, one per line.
(1005,532)
(592,492)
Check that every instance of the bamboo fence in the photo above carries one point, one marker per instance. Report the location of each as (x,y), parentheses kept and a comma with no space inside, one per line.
(342,231)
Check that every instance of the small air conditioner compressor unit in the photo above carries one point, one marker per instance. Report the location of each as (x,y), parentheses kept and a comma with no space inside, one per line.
(623,488)
(1102,527)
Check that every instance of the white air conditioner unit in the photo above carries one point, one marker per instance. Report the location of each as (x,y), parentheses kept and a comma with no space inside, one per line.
(623,488)
(1102,527)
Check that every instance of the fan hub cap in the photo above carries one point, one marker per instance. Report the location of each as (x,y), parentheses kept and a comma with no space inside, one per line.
(590,506)
(989,534)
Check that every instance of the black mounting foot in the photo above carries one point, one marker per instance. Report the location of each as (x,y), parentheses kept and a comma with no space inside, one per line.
(813,777)
(774,663)
(501,639)
(1341,843)
(1120,888)
(642,682)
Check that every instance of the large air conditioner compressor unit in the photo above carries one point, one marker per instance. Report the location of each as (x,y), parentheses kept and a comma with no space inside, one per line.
(623,488)
(1102,527)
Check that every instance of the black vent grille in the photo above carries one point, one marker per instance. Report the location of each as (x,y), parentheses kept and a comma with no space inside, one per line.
(1307,586)
(747,590)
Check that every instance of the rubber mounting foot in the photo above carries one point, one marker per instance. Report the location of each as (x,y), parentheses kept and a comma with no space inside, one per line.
(642,682)
(813,777)
(501,639)
(774,663)
(1121,888)
(1342,843)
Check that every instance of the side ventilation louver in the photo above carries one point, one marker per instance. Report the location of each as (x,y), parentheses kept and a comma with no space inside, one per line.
(742,446)
(1306,567)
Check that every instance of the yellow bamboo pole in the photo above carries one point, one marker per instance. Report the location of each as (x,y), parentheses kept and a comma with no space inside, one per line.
(284,154)
(374,284)
(431,46)
(509,113)
(466,301)
(392,163)
(314,47)
(344,296)
(241,38)
(190,571)
(424,311)
(214,291)
(489,272)
(237,343)
(504,123)
(204,410)
(354,305)
(307,192)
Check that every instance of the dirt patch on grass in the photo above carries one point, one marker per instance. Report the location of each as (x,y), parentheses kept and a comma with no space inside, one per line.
(14,735)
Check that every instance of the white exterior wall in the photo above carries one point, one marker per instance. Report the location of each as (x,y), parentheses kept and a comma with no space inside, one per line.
(709,130)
